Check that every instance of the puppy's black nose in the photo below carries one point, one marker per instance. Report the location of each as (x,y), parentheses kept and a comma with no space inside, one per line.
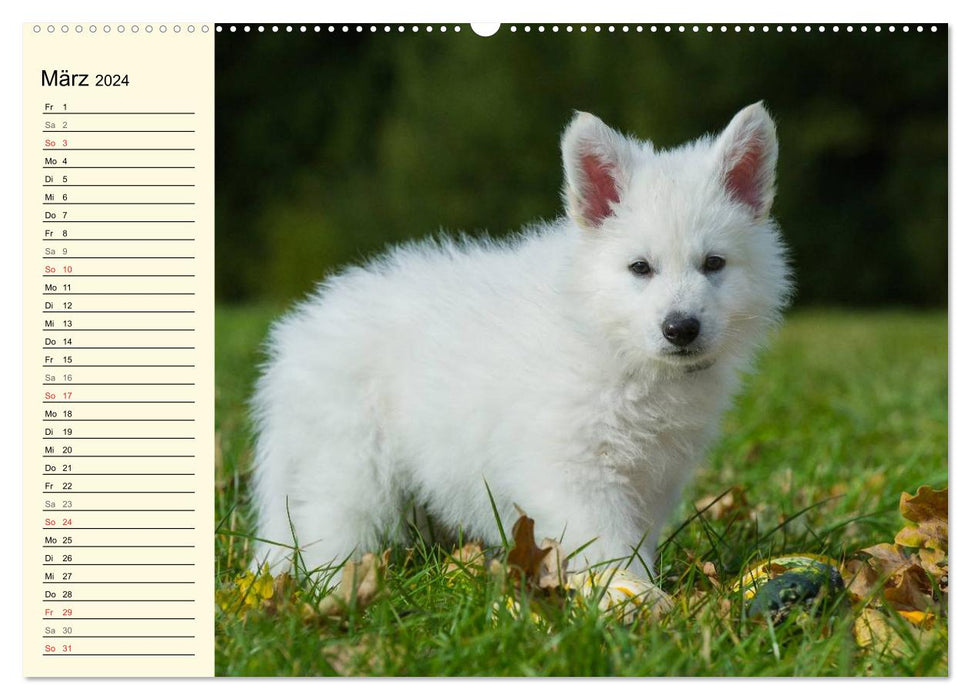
(680,329)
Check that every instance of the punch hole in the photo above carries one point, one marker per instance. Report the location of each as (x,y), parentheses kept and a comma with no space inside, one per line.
(485,28)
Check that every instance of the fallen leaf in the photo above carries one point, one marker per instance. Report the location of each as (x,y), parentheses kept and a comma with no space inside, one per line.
(928,511)
(888,559)
(921,618)
(861,580)
(909,589)
(871,629)
(934,562)
(905,577)
(721,507)
(552,568)
(361,583)
(525,557)
(469,559)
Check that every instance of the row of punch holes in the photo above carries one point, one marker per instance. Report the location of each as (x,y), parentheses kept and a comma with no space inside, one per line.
(120,28)
(654,28)
(414,28)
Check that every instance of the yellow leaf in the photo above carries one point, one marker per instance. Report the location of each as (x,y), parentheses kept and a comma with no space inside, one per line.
(920,618)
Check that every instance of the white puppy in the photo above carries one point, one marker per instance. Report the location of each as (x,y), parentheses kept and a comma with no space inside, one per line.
(580,369)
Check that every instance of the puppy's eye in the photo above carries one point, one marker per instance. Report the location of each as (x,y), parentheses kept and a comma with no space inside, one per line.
(640,268)
(713,263)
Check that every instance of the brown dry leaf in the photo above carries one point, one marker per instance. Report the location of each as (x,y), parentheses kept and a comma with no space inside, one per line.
(861,580)
(525,557)
(719,508)
(905,582)
(928,511)
(909,589)
(361,582)
(468,559)
(888,559)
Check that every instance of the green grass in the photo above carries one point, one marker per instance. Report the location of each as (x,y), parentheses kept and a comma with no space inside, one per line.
(846,410)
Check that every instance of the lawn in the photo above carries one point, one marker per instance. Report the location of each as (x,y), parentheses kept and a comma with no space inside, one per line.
(847,410)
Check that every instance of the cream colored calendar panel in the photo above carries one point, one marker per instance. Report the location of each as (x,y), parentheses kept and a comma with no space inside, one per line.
(118,349)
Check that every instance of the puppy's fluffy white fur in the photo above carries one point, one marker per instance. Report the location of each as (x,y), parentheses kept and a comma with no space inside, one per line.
(538,365)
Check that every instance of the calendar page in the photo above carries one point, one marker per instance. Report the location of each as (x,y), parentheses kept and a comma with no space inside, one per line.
(521,349)
(118,349)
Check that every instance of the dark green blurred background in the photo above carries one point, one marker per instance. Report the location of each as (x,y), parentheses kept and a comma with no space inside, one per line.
(329,145)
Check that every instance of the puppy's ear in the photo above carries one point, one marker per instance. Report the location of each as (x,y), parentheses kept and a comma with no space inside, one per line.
(596,164)
(747,152)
